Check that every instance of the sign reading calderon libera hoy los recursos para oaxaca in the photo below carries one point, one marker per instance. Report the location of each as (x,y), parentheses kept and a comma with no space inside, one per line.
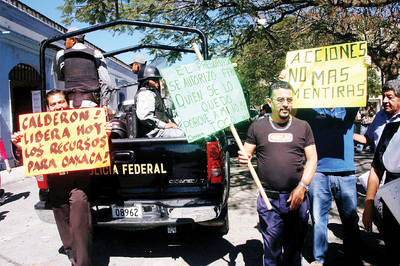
(64,141)
(207,95)
(330,76)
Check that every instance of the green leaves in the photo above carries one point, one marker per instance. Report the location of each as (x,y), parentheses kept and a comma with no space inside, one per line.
(233,29)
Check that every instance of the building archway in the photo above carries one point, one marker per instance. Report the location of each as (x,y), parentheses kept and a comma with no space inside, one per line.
(24,83)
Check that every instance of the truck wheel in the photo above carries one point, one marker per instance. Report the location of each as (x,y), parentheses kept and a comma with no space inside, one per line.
(221,230)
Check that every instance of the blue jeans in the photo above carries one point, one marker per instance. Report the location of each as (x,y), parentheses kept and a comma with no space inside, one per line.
(284,229)
(324,188)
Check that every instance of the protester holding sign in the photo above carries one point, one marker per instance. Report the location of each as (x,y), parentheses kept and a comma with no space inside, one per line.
(281,141)
(150,108)
(327,77)
(333,130)
(335,178)
(68,194)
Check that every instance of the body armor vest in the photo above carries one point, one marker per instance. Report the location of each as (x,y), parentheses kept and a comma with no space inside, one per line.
(80,70)
(160,111)
(81,77)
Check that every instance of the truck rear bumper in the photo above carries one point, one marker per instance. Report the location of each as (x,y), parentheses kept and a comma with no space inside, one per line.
(154,214)
(176,216)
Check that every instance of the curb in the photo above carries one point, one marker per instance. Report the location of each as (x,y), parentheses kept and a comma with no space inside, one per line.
(17,174)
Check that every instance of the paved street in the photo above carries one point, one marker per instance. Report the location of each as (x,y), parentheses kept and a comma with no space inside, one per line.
(25,240)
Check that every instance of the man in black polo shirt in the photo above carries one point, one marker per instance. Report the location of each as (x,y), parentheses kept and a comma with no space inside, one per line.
(281,142)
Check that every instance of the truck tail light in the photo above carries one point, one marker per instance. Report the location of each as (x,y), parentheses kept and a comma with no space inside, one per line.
(214,163)
(42,181)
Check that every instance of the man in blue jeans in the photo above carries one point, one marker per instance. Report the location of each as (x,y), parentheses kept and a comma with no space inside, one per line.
(334,179)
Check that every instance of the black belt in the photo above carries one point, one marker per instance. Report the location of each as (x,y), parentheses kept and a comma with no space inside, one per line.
(274,194)
(344,173)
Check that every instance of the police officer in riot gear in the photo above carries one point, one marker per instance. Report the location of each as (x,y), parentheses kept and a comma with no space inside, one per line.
(137,66)
(84,71)
(150,108)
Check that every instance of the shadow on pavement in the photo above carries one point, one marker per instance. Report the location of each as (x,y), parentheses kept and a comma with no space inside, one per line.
(372,247)
(194,247)
(10,197)
(252,253)
(3,215)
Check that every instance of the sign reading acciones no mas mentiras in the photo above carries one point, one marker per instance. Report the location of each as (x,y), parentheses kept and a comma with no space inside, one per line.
(330,76)
(207,95)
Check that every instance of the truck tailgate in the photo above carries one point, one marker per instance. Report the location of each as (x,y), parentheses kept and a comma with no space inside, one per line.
(156,167)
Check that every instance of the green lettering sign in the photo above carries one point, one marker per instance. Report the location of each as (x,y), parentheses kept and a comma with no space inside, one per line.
(207,95)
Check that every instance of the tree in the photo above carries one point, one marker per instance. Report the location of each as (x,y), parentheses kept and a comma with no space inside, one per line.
(379,26)
(232,24)
(260,61)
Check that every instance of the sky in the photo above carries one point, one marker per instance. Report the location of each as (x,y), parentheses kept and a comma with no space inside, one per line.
(102,39)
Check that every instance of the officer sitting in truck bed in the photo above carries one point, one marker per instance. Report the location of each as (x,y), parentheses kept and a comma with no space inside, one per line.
(150,108)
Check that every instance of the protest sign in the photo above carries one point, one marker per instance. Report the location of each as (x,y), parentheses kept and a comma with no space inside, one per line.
(239,143)
(62,141)
(330,76)
(207,96)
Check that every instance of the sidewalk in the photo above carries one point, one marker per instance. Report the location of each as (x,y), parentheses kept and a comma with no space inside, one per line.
(16,175)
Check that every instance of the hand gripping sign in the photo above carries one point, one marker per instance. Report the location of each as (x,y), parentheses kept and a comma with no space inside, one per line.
(62,141)
(330,76)
(208,97)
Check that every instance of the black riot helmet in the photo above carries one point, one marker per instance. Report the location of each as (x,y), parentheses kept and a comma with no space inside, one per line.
(150,72)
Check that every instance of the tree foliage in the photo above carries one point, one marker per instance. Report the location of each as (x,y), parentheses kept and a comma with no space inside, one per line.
(260,61)
(232,24)
(258,33)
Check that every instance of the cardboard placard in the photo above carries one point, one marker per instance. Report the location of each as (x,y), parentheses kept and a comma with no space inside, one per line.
(62,141)
(330,76)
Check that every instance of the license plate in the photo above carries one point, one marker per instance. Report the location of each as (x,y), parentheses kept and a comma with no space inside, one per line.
(128,211)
